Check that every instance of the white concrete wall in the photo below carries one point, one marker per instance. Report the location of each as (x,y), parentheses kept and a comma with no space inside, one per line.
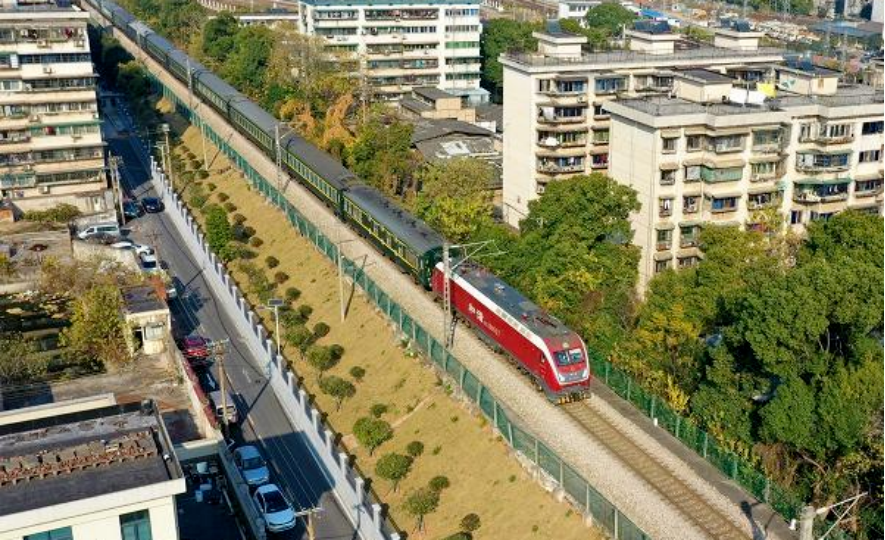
(519,162)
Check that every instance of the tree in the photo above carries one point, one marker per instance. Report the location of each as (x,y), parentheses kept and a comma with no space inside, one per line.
(8,268)
(454,196)
(382,154)
(96,330)
(246,65)
(357,372)
(470,523)
(372,432)
(500,36)
(393,467)
(219,233)
(218,36)
(300,337)
(18,364)
(133,81)
(439,483)
(338,388)
(320,358)
(415,448)
(420,503)
(609,17)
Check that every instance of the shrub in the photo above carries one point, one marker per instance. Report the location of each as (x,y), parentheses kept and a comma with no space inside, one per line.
(281,277)
(210,186)
(223,197)
(271,261)
(420,503)
(187,177)
(201,174)
(320,358)
(239,219)
(460,535)
(320,329)
(218,233)
(256,242)
(299,337)
(292,293)
(198,200)
(190,155)
(439,483)
(415,448)
(249,231)
(393,467)
(470,523)
(337,351)
(305,311)
(357,372)
(61,213)
(436,450)
(377,410)
(230,207)
(338,388)
(372,432)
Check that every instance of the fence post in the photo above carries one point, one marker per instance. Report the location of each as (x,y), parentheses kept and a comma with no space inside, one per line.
(678,424)
(617,533)
(705,444)
(463,372)
(651,412)
(629,387)
(607,370)
(478,392)
(510,431)
(766,495)
(588,514)
(495,414)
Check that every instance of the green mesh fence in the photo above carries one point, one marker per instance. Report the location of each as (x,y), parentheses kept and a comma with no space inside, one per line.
(592,503)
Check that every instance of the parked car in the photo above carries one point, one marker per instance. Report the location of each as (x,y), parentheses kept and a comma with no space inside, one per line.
(251,465)
(149,263)
(274,508)
(139,249)
(224,406)
(196,350)
(132,210)
(172,287)
(108,229)
(152,205)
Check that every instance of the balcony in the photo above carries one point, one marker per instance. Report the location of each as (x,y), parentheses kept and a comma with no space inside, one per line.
(665,212)
(544,119)
(663,246)
(819,163)
(822,194)
(556,168)
(759,203)
(552,143)
(767,148)
(688,241)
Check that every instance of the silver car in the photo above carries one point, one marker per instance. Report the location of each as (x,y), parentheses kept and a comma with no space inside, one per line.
(251,465)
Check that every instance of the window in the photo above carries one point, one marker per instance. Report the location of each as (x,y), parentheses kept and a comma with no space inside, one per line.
(462,28)
(761,200)
(598,110)
(838,131)
(669,145)
(795,217)
(807,131)
(692,173)
(661,266)
(668,178)
(600,136)
(462,44)
(871,128)
(694,143)
(664,236)
(688,262)
(690,204)
(822,161)
(688,236)
(665,207)
(56,534)
(599,161)
(763,170)
(733,143)
(728,204)
(136,526)
(768,138)
(610,86)
(870,156)
(730,174)
(867,186)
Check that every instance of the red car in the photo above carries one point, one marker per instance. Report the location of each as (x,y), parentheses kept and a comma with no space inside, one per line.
(196,350)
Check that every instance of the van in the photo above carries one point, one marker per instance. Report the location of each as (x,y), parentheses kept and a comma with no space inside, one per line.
(230,407)
(110,229)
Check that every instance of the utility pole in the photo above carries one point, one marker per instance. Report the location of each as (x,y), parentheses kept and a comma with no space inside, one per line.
(114,162)
(340,263)
(276,129)
(164,128)
(471,251)
(309,516)
(218,348)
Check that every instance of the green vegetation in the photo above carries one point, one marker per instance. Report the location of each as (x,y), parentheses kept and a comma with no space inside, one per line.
(454,197)
(500,36)
(96,329)
(18,364)
(61,213)
(219,234)
(421,502)
(393,467)
(381,155)
(338,388)
(372,432)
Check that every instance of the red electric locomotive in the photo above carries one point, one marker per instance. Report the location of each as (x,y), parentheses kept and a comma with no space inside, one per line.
(552,354)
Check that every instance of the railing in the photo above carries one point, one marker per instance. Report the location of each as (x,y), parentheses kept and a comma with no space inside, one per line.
(574,487)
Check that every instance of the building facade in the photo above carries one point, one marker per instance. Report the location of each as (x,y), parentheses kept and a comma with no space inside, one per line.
(555,122)
(51,149)
(404,45)
(715,155)
(87,471)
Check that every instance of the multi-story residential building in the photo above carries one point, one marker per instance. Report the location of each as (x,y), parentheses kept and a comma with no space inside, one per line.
(555,122)
(714,153)
(87,470)
(576,9)
(404,45)
(51,149)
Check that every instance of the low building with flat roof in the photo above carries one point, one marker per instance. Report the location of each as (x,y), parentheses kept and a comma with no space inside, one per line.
(101,473)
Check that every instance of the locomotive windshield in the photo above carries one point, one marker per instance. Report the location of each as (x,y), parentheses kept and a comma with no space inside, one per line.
(568,358)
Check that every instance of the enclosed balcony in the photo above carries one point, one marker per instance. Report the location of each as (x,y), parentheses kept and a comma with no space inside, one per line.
(823,161)
(811,191)
(561,115)
(561,165)
(550,140)
(868,188)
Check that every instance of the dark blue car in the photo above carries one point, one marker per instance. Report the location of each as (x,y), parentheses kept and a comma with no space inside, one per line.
(152,205)
(132,210)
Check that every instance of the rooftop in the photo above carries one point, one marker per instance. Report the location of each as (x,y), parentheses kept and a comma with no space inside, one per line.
(432,93)
(142,299)
(80,455)
(619,58)
(704,75)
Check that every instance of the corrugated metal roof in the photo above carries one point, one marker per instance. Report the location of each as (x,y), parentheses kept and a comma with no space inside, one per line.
(412,231)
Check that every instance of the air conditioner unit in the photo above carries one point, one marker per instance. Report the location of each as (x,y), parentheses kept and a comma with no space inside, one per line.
(540,189)
(582,99)
(43,44)
(44,190)
(81,43)
(34,118)
(47,69)
(28,167)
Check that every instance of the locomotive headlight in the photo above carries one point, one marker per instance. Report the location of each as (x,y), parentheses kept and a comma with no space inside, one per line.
(585,373)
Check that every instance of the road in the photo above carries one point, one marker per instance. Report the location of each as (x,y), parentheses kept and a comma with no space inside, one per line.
(263,422)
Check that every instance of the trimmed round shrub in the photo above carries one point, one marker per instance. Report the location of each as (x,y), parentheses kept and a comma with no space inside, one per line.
(249,231)
(439,483)
(321,329)
(357,372)
(338,352)
(271,261)
(223,197)
(256,242)
(281,277)
(377,410)
(305,311)
(230,207)
(238,219)
(292,293)
(415,448)
(202,175)
(210,186)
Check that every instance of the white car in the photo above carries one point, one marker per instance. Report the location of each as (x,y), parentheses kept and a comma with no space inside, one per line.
(274,508)
(139,249)
(149,263)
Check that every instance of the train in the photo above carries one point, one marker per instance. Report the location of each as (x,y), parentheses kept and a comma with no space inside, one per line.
(538,343)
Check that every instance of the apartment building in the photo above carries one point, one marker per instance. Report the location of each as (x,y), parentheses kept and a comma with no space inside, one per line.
(717,154)
(576,9)
(404,45)
(87,470)
(51,149)
(555,122)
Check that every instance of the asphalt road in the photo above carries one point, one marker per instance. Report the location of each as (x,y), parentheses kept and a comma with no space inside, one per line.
(262,421)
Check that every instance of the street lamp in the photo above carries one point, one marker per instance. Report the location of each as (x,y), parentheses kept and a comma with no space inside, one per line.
(275,304)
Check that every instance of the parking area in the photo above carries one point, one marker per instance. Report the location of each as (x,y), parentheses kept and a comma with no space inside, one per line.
(205,503)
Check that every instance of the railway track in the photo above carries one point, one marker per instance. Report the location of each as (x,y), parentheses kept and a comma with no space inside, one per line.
(658,477)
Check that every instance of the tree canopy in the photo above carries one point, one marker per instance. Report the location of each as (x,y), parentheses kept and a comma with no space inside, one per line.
(96,330)
(609,17)
(454,196)
(500,36)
